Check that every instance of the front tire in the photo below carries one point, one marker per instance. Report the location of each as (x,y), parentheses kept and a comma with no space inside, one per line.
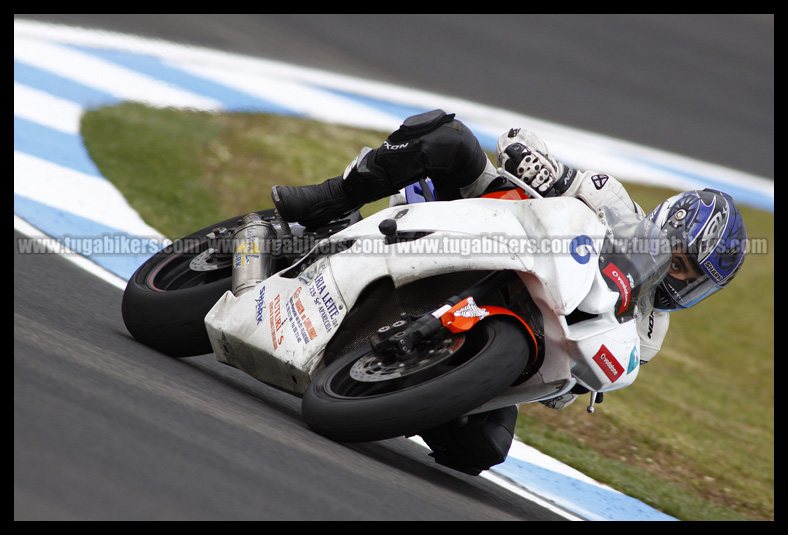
(480,364)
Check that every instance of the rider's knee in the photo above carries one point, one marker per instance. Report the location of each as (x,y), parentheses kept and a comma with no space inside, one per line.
(475,444)
(433,144)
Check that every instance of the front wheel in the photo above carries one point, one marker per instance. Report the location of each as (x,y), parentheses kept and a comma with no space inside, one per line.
(362,397)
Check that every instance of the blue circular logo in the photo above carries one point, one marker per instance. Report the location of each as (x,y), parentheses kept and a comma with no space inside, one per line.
(587,244)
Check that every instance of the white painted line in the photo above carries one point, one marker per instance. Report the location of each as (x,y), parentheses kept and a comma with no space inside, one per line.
(105,76)
(76,193)
(78,260)
(311,102)
(42,108)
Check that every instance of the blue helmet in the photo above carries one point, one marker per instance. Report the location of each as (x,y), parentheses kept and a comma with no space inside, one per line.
(707,228)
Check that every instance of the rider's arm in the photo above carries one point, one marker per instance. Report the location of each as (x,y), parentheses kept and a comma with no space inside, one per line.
(599,189)
(652,330)
(526,156)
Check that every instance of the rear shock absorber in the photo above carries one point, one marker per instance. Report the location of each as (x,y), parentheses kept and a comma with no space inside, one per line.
(252,259)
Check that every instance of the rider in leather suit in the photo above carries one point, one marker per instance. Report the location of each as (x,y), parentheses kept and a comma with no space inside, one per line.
(706,223)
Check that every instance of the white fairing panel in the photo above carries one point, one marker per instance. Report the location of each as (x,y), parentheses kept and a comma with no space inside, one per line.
(277,332)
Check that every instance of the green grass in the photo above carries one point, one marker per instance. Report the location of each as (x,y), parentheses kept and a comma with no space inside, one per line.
(181,169)
(693,437)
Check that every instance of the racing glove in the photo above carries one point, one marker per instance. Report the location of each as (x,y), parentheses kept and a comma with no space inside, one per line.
(525,156)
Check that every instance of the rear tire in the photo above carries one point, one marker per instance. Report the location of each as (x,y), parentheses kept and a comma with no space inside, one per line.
(165,302)
(489,358)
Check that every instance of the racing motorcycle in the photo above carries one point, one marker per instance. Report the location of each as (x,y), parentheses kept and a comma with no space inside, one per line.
(416,315)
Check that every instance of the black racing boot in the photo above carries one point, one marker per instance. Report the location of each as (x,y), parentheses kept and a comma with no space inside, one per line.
(314,204)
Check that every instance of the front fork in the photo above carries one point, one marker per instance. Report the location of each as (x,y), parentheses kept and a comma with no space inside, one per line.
(457,314)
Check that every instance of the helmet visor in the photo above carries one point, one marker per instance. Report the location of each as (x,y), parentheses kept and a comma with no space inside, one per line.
(686,283)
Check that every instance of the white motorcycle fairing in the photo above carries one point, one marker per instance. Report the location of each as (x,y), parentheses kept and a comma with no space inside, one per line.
(278,331)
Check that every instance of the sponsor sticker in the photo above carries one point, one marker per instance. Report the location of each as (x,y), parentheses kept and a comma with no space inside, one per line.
(633,360)
(471,310)
(622,282)
(259,305)
(300,323)
(246,252)
(608,363)
(276,321)
(580,248)
(323,297)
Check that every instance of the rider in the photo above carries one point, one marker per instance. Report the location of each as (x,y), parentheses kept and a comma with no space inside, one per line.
(705,227)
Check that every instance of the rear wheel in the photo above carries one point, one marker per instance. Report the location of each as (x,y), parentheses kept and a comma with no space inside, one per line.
(363,396)
(167,298)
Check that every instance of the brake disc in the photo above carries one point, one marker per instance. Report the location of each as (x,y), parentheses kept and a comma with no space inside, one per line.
(210,260)
(372,368)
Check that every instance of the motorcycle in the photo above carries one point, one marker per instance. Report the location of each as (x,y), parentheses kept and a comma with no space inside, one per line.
(416,315)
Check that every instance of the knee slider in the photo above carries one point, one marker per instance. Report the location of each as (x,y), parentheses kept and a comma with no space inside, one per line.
(418,125)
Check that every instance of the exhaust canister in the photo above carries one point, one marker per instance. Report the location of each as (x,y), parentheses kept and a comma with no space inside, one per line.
(252,261)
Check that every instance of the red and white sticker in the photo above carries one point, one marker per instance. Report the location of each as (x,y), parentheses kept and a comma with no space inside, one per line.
(608,363)
(620,280)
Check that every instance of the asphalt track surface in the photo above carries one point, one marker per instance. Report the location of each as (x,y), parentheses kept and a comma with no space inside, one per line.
(105,428)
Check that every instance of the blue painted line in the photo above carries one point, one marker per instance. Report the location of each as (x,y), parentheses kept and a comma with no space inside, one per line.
(53,146)
(60,87)
(587,500)
(230,98)
(117,251)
